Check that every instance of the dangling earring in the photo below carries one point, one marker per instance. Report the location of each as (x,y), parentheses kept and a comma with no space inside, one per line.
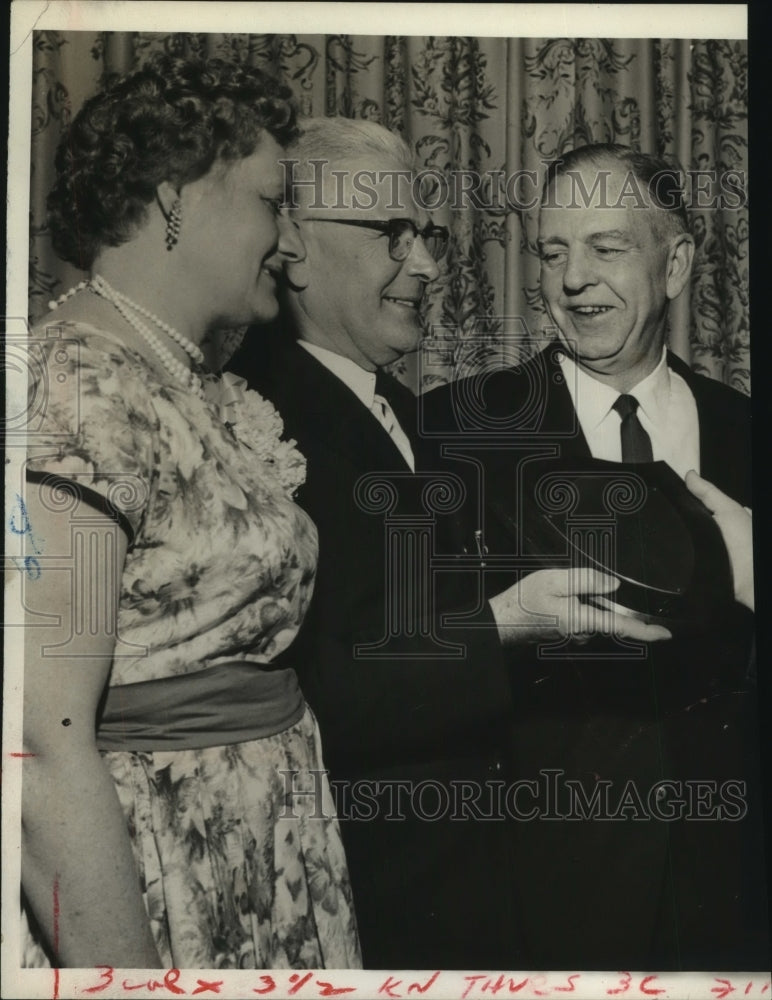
(173,224)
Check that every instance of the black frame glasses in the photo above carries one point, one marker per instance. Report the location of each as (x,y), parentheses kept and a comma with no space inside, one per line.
(402,234)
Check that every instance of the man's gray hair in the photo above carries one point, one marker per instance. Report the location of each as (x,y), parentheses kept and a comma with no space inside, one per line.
(341,140)
(660,177)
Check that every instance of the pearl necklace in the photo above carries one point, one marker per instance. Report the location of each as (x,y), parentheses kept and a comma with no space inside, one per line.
(251,421)
(131,312)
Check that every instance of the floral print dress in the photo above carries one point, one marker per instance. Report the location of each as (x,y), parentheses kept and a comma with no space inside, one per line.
(237,870)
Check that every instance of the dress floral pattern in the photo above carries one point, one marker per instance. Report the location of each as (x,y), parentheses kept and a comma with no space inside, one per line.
(237,869)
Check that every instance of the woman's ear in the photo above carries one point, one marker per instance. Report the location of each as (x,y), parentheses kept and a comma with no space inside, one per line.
(166,195)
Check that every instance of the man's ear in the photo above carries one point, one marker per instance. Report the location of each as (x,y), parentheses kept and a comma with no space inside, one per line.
(679,264)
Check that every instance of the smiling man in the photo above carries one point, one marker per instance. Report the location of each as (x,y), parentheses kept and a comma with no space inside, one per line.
(615,251)
(415,719)
(638,890)
(405,718)
(613,258)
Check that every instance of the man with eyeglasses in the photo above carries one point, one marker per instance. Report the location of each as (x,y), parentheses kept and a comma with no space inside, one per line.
(415,738)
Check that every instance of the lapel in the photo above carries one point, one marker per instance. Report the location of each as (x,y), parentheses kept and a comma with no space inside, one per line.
(540,394)
(318,409)
(723,427)
(402,401)
(558,416)
(718,440)
(716,444)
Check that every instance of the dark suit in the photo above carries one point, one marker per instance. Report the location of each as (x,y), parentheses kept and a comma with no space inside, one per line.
(418,882)
(637,893)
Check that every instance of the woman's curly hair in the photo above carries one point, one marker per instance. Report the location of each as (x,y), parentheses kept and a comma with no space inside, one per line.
(170,121)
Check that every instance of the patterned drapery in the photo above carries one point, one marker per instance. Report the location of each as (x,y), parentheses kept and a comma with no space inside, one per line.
(493,108)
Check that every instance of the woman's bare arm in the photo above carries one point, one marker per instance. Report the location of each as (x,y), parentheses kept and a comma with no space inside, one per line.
(77,867)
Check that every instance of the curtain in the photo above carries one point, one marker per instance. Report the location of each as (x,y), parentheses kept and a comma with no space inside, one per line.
(494,109)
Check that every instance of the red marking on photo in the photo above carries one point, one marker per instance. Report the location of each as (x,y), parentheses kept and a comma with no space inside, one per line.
(56,937)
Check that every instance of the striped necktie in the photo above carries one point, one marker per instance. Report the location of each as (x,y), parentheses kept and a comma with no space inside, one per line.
(386,416)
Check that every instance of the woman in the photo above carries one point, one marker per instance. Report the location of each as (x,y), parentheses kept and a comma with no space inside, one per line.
(162,821)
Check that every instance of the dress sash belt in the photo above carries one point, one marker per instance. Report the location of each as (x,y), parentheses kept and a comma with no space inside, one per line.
(229,703)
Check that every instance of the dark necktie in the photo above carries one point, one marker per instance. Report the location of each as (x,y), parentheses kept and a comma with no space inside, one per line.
(636,443)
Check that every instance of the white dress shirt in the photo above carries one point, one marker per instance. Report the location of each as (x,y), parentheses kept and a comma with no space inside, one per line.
(666,409)
(362,384)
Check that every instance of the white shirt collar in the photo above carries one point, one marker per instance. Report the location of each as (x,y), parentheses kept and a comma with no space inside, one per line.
(653,392)
(593,400)
(360,381)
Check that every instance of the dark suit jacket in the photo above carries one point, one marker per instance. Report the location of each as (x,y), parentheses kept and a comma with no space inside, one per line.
(637,893)
(403,717)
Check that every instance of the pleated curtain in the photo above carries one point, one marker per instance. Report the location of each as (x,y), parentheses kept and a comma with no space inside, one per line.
(494,109)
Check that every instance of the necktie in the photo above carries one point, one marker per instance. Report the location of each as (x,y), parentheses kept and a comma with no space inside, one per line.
(636,443)
(383,411)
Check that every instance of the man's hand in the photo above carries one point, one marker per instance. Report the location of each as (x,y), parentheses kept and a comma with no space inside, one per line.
(736,525)
(545,605)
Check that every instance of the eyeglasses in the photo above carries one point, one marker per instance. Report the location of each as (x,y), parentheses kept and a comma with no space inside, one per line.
(402,234)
